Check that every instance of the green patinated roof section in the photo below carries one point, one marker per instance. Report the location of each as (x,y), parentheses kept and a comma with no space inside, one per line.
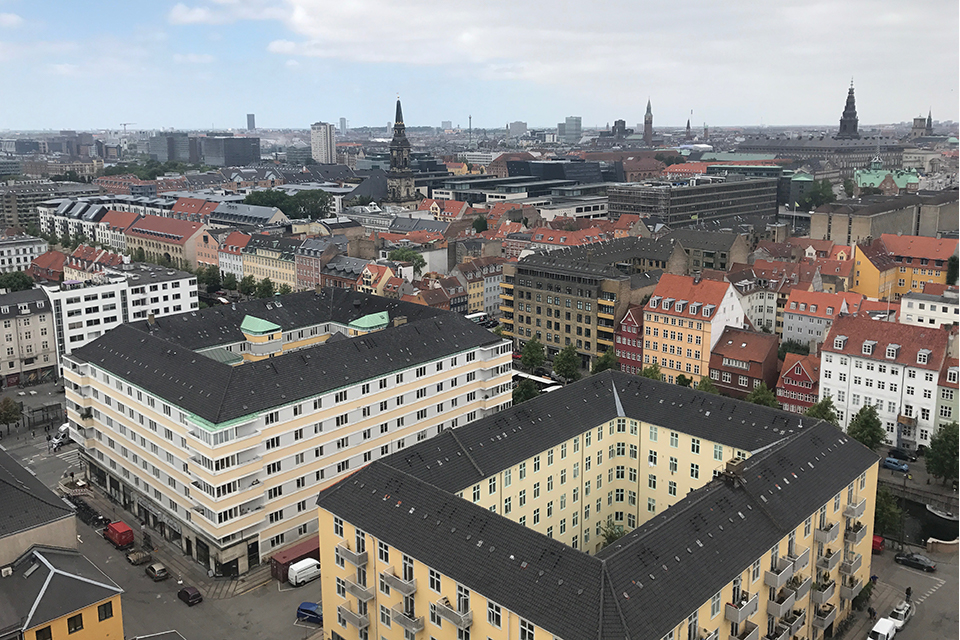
(869,178)
(802,177)
(222,355)
(256,326)
(371,321)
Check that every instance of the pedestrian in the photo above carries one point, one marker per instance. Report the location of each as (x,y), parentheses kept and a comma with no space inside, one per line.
(872,613)
(909,593)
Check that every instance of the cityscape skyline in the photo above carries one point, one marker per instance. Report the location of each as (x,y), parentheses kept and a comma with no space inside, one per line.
(552,62)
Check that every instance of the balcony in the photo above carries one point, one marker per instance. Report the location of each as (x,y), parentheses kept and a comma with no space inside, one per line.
(795,620)
(363,594)
(801,586)
(406,619)
(783,603)
(750,631)
(781,632)
(850,588)
(460,620)
(79,435)
(709,635)
(855,510)
(830,561)
(855,533)
(827,533)
(823,592)
(395,582)
(354,558)
(777,578)
(746,607)
(851,564)
(824,616)
(355,619)
(800,560)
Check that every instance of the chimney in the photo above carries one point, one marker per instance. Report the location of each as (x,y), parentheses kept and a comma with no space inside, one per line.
(151,320)
(734,471)
(317,289)
(399,320)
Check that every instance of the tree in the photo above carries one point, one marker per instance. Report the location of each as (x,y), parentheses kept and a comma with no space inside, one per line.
(139,255)
(230,282)
(684,381)
(886,516)
(15,281)
(866,427)
(212,277)
(359,201)
(566,364)
(248,285)
(284,289)
(651,371)
(706,385)
(763,396)
(532,355)
(409,255)
(9,412)
(265,288)
(607,360)
(480,224)
(270,198)
(313,204)
(953,266)
(848,187)
(65,239)
(525,390)
(792,346)
(942,455)
(824,410)
(611,532)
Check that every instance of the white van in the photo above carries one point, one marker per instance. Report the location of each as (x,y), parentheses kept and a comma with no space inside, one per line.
(303,571)
(885,629)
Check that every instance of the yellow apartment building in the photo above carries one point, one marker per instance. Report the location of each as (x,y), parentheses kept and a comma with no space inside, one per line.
(54,594)
(271,257)
(875,272)
(218,429)
(682,321)
(741,521)
(919,260)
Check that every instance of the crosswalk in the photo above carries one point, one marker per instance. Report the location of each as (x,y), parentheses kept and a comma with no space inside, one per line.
(70,457)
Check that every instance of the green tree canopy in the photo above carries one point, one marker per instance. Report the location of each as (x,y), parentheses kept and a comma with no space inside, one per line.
(820,193)
(532,355)
(248,285)
(611,532)
(213,278)
(139,255)
(480,224)
(230,282)
(607,360)
(151,169)
(409,255)
(763,396)
(848,187)
(943,456)
(886,517)
(953,266)
(9,412)
(867,428)
(359,201)
(312,203)
(284,289)
(792,346)
(651,371)
(525,390)
(265,288)
(15,281)
(684,381)
(706,384)
(566,364)
(824,410)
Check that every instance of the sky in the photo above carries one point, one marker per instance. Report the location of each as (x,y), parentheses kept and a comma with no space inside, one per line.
(198,64)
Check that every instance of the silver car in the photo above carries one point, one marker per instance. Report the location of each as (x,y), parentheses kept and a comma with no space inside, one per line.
(902,613)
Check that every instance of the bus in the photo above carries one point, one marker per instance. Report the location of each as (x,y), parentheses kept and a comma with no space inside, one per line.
(480,317)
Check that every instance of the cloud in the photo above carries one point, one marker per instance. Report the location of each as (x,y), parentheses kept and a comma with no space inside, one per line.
(182,14)
(292,63)
(65,69)
(193,58)
(10,20)
(226,12)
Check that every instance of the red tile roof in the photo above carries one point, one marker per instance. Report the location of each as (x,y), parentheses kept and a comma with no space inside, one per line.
(748,346)
(168,230)
(676,288)
(119,220)
(920,247)
(50,260)
(877,254)
(910,339)
(194,206)
(810,366)
(948,363)
(234,243)
(820,246)
(936,288)
(821,304)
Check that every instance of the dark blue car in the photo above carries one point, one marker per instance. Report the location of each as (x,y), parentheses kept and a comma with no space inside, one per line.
(310,612)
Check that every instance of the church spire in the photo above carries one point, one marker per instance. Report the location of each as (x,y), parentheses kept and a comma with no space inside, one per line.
(849,120)
(399,117)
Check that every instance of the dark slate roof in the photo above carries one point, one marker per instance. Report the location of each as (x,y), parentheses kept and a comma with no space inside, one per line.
(29,297)
(454,460)
(25,502)
(703,240)
(599,259)
(218,392)
(62,582)
(642,586)
(401,224)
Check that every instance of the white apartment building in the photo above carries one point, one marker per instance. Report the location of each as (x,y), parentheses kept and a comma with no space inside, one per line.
(220,429)
(28,353)
(894,367)
(17,252)
(930,310)
(85,310)
(323,143)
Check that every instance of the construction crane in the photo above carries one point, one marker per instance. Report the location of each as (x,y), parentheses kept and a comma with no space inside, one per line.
(124,125)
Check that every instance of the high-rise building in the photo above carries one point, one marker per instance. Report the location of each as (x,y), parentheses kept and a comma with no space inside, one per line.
(343,126)
(323,143)
(569,131)
(446,125)
(228,151)
(517,129)
(251,121)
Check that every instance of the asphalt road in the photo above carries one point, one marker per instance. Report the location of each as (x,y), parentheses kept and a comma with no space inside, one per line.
(935,595)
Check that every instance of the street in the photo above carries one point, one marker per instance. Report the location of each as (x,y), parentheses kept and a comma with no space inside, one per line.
(935,595)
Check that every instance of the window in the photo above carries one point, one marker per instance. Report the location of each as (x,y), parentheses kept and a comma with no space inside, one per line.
(674,439)
(435,580)
(44,634)
(715,605)
(105,611)
(75,623)
(493,614)
(694,470)
(526,630)
(672,488)
(695,445)
(673,464)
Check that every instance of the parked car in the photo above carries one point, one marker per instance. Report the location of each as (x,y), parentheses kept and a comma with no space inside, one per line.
(902,454)
(120,534)
(310,612)
(896,465)
(916,561)
(303,572)
(157,572)
(902,613)
(60,439)
(190,595)
(879,544)
(884,629)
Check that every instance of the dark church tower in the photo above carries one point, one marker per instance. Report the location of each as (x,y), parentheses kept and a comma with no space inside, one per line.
(648,126)
(689,134)
(400,179)
(849,121)
(929,130)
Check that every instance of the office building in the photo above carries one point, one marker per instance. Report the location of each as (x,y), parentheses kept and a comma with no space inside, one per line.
(343,126)
(29,353)
(257,407)
(228,151)
(569,131)
(935,306)
(17,252)
(849,222)
(165,240)
(495,530)
(695,201)
(251,121)
(19,200)
(174,146)
(323,143)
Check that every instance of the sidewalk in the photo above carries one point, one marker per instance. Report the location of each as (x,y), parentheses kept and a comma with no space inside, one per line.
(884,598)
(182,567)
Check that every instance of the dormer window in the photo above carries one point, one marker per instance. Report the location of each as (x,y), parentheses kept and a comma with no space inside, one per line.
(923,356)
(829,311)
(707,310)
(868,347)
(803,306)
(654,302)
(840,342)
(952,375)
(892,350)
(813,308)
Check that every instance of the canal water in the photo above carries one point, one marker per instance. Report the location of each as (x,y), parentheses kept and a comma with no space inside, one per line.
(920,524)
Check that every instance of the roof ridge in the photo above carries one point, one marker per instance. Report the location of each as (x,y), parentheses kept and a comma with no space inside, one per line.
(453,432)
(616,604)
(35,497)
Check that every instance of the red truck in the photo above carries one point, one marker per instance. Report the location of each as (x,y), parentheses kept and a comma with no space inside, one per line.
(119,534)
